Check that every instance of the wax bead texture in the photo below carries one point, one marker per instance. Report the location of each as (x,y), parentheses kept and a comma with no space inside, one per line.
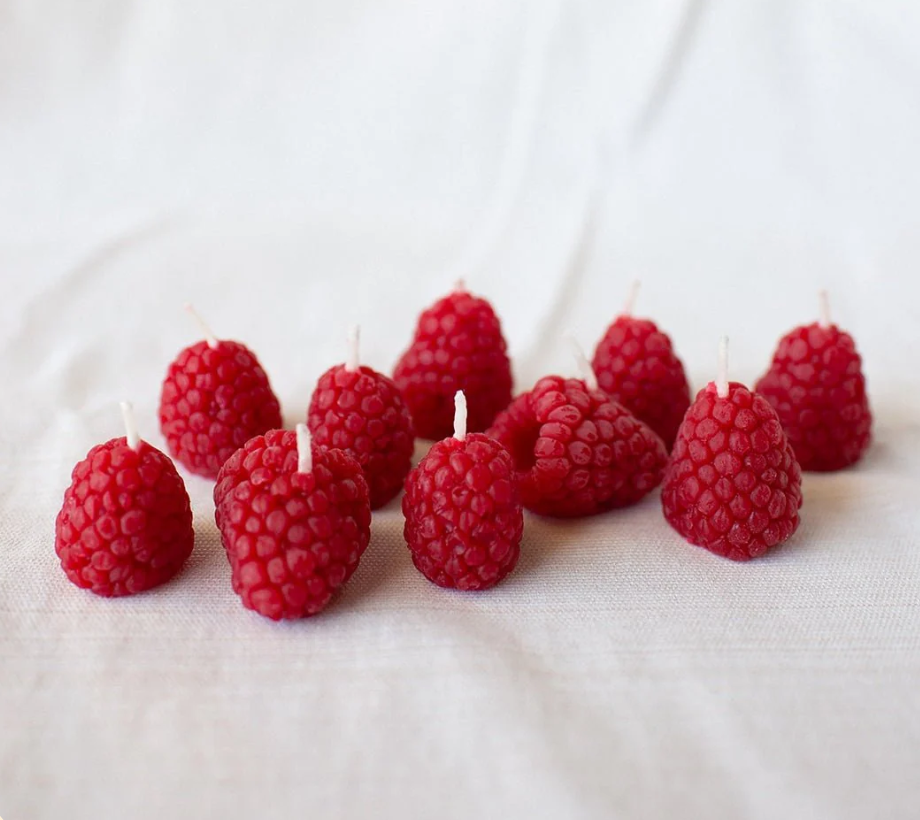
(363,413)
(816,385)
(292,539)
(126,522)
(635,364)
(577,452)
(464,519)
(733,484)
(213,400)
(458,345)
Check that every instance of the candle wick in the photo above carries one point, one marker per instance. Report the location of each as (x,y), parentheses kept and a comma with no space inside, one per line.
(722,374)
(209,337)
(584,366)
(460,285)
(131,435)
(354,343)
(304,450)
(631,297)
(460,415)
(824,309)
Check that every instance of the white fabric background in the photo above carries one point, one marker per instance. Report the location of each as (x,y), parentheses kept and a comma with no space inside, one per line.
(292,167)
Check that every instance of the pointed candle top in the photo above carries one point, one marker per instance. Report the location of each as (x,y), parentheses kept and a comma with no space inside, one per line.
(131,435)
(460,414)
(304,450)
(584,366)
(354,343)
(209,337)
(824,309)
(631,296)
(722,373)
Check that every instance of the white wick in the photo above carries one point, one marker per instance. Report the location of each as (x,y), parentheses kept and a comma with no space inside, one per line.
(631,297)
(824,309)
(460,413)
(354,343)
(304,450)
(584,366)
(209,337)
(722,373)
(131,434)
(460,286)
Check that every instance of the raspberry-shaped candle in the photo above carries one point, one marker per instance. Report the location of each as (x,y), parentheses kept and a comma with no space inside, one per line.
(817,387)
(733,484)
(577,451)
(636,365)
(294,520)
(464,518)
(361,411)
(215,398)
(126,523)
(458,345)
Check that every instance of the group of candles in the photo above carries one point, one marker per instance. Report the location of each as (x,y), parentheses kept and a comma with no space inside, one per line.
(294,507)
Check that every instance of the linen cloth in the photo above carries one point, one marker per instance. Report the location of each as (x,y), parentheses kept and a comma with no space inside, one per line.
(294,167)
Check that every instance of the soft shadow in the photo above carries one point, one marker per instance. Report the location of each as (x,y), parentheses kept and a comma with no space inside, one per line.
(385,560)
(208,560)
(544,538)
(832,502)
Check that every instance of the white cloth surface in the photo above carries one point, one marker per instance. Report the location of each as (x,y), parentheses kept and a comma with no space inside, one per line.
(294,167)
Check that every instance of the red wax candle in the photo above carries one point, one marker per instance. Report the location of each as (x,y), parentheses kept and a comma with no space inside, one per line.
(458,345)
(816,385)
(733,485)
(294,520)
(577,451)
(361,411)
(635,363)
(215,398)
(126,522)
(464,519)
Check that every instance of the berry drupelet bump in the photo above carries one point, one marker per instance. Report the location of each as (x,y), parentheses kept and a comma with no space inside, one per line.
(636,365)
(816,385)
(458,345)
(294,520)
(126,522)
(215,398)
(464,519)
(733,485)
(576,451)
(361,411)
